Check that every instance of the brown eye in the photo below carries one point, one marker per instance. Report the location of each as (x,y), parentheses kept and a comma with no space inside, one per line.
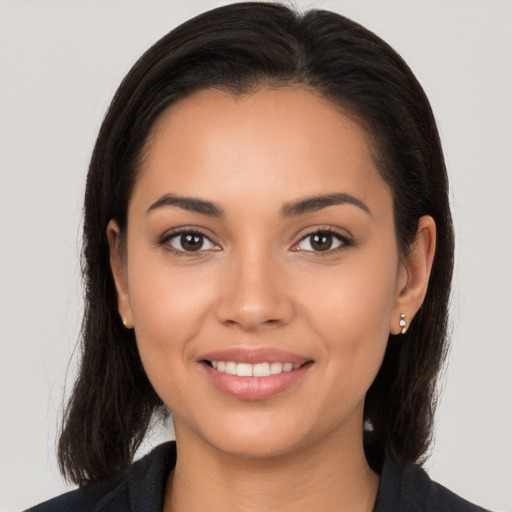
(191,242)
(321,241)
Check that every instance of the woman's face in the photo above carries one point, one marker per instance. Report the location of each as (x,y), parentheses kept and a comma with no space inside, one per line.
(260,237)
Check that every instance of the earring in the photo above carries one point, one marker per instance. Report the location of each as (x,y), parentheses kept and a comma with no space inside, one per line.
(127,324)
(403,324)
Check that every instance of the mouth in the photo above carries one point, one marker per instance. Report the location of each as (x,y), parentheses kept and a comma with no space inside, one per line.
(254,374)
(264,369)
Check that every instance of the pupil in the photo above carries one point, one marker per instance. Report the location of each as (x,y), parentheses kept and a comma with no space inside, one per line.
(321,242)
(191,242)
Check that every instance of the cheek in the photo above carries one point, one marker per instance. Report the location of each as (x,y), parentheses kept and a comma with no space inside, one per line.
(169,307)
(166,297)
(350,307)
(352,301)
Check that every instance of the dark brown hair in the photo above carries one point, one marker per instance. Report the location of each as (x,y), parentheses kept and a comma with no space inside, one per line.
(239,48)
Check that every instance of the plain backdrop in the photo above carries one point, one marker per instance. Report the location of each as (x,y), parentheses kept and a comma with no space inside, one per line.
(60,63)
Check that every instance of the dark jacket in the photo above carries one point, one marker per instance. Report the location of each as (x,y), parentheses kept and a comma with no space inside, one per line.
(141,488)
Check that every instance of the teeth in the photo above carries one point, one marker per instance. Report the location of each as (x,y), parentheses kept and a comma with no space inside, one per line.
(244,370)
(261,370)
(231,368)
(253,370)
(276,368)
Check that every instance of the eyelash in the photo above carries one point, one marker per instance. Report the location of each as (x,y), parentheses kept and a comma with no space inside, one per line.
(345,242)
(165,239)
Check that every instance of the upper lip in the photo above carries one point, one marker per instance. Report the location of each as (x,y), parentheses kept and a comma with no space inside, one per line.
(254,356)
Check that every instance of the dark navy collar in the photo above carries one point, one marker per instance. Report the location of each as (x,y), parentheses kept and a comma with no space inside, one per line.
(408,488)
(141,488)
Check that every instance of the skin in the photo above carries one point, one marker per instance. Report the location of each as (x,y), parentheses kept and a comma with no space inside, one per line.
(258,282)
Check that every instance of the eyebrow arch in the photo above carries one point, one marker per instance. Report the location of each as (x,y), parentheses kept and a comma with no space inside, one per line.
(315,203)
(191,204)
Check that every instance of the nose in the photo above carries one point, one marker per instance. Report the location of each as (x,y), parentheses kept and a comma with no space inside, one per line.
(254,294)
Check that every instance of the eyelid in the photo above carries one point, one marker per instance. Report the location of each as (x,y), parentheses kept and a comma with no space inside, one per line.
(184,230)
(345,238)
(341,235)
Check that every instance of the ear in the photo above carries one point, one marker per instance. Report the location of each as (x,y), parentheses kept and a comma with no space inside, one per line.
(414,274)
(118,267)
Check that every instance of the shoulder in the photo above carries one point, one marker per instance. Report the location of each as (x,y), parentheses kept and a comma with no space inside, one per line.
(407,487)
(139,487)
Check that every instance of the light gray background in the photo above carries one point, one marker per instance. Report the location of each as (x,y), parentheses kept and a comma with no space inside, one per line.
(60,63)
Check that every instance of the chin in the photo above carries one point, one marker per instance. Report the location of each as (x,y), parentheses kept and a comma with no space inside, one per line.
(259,434)
(256,445)
(256,434)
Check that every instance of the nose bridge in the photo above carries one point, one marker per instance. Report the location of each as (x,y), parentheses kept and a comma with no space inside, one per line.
(253,291)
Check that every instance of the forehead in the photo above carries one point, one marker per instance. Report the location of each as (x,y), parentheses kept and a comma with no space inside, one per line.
(287,139)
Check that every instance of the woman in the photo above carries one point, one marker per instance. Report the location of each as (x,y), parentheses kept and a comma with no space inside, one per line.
(268,254)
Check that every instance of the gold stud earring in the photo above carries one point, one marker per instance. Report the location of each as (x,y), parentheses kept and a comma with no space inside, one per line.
(127,324)
(403,324)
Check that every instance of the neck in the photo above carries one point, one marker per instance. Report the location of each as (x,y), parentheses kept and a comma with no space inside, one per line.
(331,476)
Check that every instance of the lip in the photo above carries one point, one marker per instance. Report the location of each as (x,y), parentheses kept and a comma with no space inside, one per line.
(255,356)
(254,388)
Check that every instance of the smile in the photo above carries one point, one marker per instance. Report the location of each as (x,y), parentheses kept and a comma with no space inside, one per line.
(249,373)
(264,369)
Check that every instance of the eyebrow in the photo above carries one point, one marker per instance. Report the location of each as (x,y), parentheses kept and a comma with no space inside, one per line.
(303,206)
(191,204)
(315,203)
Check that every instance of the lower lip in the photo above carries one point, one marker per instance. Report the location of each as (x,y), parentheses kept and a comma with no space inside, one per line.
(254,388)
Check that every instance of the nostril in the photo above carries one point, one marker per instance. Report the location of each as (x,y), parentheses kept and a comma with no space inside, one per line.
(250,311)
